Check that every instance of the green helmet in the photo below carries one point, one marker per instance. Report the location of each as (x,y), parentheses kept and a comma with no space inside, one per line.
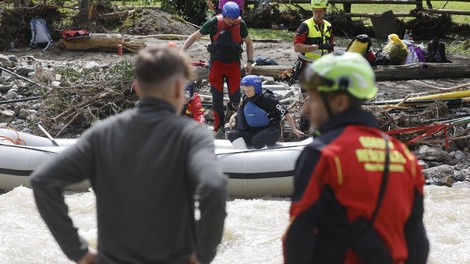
(319,3)
(342,71)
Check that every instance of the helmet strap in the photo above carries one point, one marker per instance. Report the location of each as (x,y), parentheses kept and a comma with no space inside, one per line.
(343,84)
(326,102)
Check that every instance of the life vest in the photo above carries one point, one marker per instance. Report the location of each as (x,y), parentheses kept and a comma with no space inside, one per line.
(255,116)
(316,36)
(226,44)
(193,109)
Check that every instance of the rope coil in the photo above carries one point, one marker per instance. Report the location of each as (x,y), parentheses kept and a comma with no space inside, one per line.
(17,141)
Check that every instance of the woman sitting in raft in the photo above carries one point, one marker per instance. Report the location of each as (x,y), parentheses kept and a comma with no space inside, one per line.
(259,117)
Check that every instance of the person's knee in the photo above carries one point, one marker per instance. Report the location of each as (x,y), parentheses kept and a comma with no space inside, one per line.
(232,136)
(258,142)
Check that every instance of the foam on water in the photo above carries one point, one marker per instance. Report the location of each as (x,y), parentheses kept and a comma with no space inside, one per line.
(252,234)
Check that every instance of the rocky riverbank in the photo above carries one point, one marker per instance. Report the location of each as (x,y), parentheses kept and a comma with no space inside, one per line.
(70,91)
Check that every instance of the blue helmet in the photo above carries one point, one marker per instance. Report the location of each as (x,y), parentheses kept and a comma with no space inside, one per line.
(231,10)
(253,80)
(189,90)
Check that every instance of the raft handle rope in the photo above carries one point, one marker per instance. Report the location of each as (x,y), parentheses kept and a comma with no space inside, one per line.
(18,140)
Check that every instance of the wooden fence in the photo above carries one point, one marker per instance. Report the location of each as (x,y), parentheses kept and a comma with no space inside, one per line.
(418,3)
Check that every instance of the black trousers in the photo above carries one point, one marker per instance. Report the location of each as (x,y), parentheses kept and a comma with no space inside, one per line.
(257,137)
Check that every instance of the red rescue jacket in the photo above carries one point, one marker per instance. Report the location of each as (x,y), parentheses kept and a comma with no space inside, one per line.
(348,159)
(194,109)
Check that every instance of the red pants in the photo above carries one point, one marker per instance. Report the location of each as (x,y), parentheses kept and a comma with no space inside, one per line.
(218,73)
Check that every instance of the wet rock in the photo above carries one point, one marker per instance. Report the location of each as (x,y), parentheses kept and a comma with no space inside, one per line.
(11,95)
(459,175)
(4,88)
(24,70)
(23,113)
(459,155)
(439,172)
(7,79)
(12,58)
(6,116)
(5,62)
(423,164)
(434,154)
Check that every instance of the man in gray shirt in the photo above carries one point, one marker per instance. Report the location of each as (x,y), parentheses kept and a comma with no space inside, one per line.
(147,173)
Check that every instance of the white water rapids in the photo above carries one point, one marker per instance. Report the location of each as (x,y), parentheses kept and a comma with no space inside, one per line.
(253,228)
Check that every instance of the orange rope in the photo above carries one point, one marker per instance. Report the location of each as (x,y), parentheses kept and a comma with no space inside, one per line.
(18,140)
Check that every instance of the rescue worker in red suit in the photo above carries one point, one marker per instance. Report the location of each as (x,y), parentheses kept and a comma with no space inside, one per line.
(227,33)
(358,194)
(193,107)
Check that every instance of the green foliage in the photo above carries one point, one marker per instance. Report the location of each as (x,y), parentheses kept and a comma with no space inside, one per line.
(461,47)
(192,11)
(258,33)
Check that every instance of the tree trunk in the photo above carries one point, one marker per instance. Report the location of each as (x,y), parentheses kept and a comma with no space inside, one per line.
(103,42)
(421,71)
(382,73)
(83,13)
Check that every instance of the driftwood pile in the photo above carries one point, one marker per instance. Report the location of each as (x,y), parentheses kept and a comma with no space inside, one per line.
(86,96)
(437,117)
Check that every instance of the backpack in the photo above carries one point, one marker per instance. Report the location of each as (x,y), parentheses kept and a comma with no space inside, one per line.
(40,36)
(436,52)
(361,44)
(382,59)
(262,60)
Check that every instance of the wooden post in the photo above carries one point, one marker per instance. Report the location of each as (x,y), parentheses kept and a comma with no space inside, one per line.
(83,13)
(91,9)
(419,4)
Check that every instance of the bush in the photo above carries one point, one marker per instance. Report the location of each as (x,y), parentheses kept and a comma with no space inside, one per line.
(193,11)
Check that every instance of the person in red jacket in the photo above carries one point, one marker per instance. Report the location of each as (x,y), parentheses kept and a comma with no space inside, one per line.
(228,32)
(193,107)
(358,194)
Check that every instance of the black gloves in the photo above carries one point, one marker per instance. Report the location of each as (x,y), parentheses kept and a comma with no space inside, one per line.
(326,46)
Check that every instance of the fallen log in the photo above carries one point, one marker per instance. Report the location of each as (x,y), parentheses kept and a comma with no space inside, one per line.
(265,70)
(421,71)
(382,73)
(184,37)
(103,42)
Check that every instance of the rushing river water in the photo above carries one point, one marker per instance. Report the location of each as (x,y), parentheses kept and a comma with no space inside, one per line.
(252,234)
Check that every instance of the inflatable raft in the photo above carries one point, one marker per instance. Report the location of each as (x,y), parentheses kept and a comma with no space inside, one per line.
(251,172)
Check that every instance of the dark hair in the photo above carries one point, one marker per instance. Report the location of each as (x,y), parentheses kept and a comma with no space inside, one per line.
(354,103)
(159,63)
